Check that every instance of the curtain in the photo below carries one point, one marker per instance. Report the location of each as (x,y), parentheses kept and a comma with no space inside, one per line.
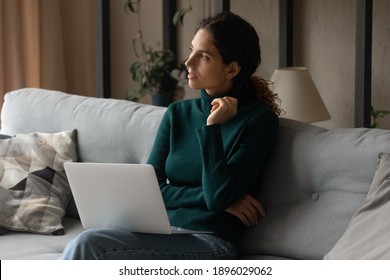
(47,44)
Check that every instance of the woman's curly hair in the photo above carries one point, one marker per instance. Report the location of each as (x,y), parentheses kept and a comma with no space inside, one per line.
(260,88)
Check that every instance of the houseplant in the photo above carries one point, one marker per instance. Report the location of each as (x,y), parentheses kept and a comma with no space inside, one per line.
(376,114)
(156,70)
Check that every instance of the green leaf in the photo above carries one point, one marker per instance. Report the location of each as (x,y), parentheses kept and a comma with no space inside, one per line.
(179,16)
(375,114)
(133,95)
(176,17)
(383,113)
(131,6)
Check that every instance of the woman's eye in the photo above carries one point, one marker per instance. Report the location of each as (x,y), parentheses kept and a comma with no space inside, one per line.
(204,56)
(201,55)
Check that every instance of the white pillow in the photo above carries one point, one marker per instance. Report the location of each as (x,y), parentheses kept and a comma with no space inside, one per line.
(367,235)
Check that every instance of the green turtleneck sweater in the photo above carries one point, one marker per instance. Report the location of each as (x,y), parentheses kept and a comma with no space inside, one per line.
(203,170)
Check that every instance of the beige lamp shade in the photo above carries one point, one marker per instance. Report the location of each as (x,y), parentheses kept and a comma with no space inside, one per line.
(299,96)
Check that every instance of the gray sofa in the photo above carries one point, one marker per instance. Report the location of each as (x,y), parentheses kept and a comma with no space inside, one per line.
(313,183)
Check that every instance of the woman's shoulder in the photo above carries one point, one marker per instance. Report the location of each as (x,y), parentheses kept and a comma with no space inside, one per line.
(259,108)
(182,108)
(261,113)
(185,104)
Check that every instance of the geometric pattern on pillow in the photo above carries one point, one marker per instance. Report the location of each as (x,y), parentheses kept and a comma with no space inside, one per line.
(34,189)
(367,235)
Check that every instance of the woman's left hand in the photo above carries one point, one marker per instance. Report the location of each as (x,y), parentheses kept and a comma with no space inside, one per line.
(247,209)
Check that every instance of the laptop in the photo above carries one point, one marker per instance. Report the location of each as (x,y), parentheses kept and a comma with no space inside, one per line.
(123,196)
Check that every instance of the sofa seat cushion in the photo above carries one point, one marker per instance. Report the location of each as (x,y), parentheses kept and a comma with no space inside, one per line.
(29,246)
(314,181)
(367,235)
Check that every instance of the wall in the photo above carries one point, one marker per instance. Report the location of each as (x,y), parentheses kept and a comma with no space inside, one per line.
(324,43)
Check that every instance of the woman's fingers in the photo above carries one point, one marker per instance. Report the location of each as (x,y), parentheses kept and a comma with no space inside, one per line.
(222,110)
(256,204)
(247,209)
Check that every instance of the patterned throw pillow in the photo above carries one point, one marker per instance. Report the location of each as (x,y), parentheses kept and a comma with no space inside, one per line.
(34,190)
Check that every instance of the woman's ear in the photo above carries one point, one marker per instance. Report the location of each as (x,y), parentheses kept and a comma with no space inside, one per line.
(232,70)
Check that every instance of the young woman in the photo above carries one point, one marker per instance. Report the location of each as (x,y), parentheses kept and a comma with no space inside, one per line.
(207,155)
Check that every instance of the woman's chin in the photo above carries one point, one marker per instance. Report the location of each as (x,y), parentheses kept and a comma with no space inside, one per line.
(194,86)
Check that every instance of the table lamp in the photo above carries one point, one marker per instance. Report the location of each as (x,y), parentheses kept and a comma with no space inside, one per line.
(299,96)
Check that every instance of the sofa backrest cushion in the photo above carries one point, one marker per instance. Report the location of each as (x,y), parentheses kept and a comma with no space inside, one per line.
(108,130)
(314,181)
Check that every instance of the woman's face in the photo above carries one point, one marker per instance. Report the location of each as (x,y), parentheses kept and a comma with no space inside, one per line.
(205,66)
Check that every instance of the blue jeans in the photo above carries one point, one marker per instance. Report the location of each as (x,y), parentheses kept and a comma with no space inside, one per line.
(116,244)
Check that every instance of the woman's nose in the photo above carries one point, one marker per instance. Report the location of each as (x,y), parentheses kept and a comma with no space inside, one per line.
(189,62)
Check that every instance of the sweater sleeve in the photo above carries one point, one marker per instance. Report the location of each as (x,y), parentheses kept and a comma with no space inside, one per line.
(226,177)
(174,196)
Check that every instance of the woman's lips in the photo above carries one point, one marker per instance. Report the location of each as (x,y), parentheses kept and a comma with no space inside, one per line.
(191,76)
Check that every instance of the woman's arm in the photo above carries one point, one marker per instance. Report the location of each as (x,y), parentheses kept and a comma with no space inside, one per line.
(226,178)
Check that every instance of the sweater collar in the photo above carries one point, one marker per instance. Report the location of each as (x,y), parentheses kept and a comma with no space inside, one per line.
(235,92)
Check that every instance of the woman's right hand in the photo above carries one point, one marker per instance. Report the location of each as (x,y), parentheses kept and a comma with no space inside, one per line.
(223,109)
(247,209)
